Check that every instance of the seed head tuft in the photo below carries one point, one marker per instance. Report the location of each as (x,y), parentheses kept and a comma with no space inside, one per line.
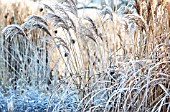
(66,54)
(73,41)
(55,31)
(41,9)
(6,15)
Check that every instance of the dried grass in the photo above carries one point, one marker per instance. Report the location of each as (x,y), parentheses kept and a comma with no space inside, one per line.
(117,62)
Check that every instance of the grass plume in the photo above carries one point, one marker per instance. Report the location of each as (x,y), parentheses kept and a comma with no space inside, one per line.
(119,61)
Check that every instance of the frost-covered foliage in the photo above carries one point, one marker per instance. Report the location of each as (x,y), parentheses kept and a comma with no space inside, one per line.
(61,62)
(31,100)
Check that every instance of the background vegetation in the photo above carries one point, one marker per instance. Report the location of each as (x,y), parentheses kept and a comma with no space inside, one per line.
(53,59)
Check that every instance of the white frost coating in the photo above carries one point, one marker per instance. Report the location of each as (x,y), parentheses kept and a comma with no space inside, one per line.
(10,104)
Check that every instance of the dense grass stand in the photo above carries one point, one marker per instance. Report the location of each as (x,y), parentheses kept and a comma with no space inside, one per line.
(115,60)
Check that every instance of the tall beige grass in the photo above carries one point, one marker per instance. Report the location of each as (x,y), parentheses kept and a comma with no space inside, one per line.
(118,61)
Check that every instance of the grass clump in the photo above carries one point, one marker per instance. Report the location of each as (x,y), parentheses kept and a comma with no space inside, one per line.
(118,61)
